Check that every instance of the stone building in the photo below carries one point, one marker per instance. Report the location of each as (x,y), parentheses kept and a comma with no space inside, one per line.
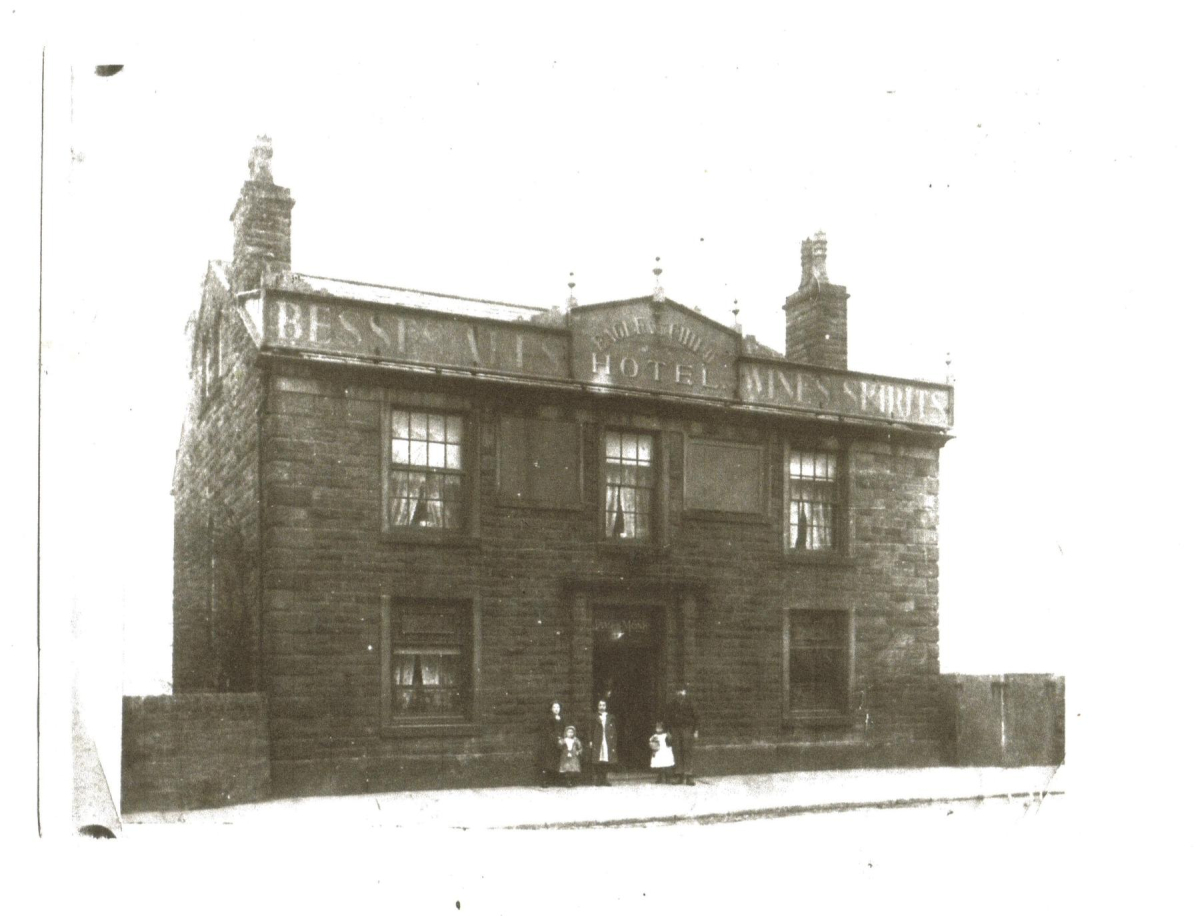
(410,520)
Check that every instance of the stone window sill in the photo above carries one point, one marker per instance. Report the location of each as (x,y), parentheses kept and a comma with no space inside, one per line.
(431,537)
(634,550)
(718,515)
(818,558)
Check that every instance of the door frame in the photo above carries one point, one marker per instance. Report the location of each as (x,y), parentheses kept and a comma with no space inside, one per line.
(675,603)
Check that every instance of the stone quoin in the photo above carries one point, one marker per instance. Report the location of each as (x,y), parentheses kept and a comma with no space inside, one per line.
(411,520)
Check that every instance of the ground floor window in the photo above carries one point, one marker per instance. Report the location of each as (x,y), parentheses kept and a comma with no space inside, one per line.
(430,660)
(818,663)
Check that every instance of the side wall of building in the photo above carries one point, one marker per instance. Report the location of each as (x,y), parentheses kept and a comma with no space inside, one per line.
(327,564)
(216,596)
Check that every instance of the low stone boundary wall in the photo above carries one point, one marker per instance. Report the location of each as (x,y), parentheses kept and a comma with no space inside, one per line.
(1009,720)
(194,750)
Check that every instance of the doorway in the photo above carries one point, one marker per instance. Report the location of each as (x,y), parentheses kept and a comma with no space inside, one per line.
(625,671)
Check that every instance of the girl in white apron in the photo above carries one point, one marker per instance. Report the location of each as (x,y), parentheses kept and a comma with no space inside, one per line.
(662,758)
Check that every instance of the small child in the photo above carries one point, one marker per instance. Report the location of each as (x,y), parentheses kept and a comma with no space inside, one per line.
(568,761)
(662,758)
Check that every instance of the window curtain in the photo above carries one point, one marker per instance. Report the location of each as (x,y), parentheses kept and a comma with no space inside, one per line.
(813,521)
(619,503)
(404,673)
(417,500)
(429,670)
(820,531)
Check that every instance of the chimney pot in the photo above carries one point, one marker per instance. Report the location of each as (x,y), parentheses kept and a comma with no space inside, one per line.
(262,222)
(816,312)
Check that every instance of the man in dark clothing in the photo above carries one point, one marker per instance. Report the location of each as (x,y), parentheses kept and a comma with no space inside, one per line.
(603,743)
(684,731)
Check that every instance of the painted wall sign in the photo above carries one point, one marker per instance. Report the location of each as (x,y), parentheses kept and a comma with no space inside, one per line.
(387,333)
(657,348)
(626,630)
(654,347)
(848,393)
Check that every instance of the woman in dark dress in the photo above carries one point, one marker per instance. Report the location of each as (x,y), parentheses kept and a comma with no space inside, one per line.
(550,732)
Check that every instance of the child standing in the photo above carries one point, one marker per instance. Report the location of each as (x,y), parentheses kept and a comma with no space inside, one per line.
(568,761)
(662,758)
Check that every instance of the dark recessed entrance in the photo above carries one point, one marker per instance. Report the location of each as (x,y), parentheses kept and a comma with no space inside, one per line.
(626,666)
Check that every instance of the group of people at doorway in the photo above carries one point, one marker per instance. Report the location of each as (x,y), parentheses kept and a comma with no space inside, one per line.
(562,751)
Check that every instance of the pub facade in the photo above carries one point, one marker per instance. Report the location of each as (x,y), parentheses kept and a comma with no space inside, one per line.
(412,520)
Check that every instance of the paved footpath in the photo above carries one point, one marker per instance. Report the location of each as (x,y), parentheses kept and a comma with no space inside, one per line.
(717,799)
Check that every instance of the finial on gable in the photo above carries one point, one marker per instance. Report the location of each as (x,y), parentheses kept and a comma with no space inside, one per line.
(659,295)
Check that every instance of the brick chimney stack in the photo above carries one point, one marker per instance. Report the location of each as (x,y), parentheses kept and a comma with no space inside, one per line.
(262,223)
(816,313)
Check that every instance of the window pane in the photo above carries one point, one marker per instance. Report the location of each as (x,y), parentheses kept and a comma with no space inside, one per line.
(420,425)
(612,445)
(400,424)
(433,486)
(437,428)
(454,457)
(454,429)
(641,503)
(806,465)
(399,451)
(632,526)
(401,500)
(643,448)
(628,448)
(420,453)
(437,455)
(794,465)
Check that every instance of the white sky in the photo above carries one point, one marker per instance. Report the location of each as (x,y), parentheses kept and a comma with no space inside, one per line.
(992,184)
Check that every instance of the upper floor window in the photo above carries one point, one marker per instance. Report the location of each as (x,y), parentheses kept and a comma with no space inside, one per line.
(629,484)
(814,500)
(426,487)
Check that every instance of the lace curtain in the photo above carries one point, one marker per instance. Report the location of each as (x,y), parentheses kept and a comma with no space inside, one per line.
(418,500)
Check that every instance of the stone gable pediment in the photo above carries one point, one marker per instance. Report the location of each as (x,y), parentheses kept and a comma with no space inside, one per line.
(653,346)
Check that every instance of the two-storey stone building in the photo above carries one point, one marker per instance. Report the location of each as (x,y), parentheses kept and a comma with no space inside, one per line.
(411,520)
